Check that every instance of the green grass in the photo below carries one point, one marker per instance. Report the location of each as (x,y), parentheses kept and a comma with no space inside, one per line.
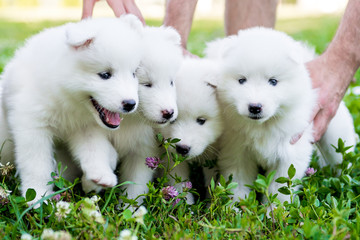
(326,207)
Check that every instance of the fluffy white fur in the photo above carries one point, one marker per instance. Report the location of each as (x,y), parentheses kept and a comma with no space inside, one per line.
(267,98)
(135,140)
(199,123)
(46,96)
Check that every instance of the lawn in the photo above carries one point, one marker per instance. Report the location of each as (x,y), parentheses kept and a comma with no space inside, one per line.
(325,207)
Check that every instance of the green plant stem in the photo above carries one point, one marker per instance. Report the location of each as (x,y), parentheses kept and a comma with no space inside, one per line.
(112,192)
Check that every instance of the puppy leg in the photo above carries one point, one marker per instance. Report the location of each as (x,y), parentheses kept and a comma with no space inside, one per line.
(134,169)
(300,158)
(244,170)
(182,170)
(34,159)
(341,126)
(97,159)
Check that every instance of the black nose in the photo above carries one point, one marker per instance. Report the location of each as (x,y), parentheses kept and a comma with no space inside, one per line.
(182,149)
(167,114)
(255,108)
(128,105)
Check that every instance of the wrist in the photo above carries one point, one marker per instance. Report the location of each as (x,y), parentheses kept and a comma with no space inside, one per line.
(343,58)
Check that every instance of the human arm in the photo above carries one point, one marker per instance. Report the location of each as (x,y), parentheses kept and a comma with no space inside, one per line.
(333,71)
(179,15)
(242,14)
(119,7)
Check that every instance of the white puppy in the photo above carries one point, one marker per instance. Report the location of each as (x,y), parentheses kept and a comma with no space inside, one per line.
(71,83)
(135,140)
(267,98)
(199,123)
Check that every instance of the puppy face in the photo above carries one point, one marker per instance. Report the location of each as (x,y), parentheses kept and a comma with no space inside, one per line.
(157,95)
(104,68)
(262,76)
(199,123)
(156,75)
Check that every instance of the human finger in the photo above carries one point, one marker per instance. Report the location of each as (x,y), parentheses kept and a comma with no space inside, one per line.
(88,7)
(314,113)
(186,53)
(296,138)
(117,6)
(320,124)
(130,7)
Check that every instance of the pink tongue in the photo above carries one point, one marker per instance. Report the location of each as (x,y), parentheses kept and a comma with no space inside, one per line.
(112,117)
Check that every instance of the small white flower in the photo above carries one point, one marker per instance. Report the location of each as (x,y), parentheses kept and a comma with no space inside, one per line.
(97,216)
(26,236)
(62,209)
(95,199)
(127,235)
(62,235)
(48,234)
(6,169)
(139,214)
(4,193)
(356,90)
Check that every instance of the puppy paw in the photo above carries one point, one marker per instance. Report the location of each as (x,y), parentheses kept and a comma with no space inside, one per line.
(89,186)
(108,180)
(40,193)
(96,181)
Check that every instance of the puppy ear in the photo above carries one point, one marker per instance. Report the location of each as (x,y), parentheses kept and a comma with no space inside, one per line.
(302,53)
(296,57)
(133,21)
(172,35)
(213,49)
(228,45)
(80,35)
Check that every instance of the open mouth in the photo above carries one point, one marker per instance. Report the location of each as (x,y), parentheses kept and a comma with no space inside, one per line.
(110,119)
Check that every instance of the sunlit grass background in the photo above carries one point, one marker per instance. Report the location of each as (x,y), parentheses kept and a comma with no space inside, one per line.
(317,31)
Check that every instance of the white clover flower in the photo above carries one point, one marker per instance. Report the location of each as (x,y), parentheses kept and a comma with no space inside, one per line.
(97,216)
(4,193)
(48,234)
(26,236)
(95,199)
(6,169)
(139,214)
(62,235)
(127,235)
(62,209)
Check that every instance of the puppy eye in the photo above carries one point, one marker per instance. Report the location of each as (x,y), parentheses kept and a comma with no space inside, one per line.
(273,81)
(105,75)
(201,120)
(242,80)
(172,83)
(149,85)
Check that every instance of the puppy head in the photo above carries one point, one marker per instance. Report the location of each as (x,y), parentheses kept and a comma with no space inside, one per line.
(199,123)
(263,74)
(103,55)
(156,74)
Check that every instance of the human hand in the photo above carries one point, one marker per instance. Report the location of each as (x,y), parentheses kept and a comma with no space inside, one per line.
(119,8)
(186,53)
(331,78)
